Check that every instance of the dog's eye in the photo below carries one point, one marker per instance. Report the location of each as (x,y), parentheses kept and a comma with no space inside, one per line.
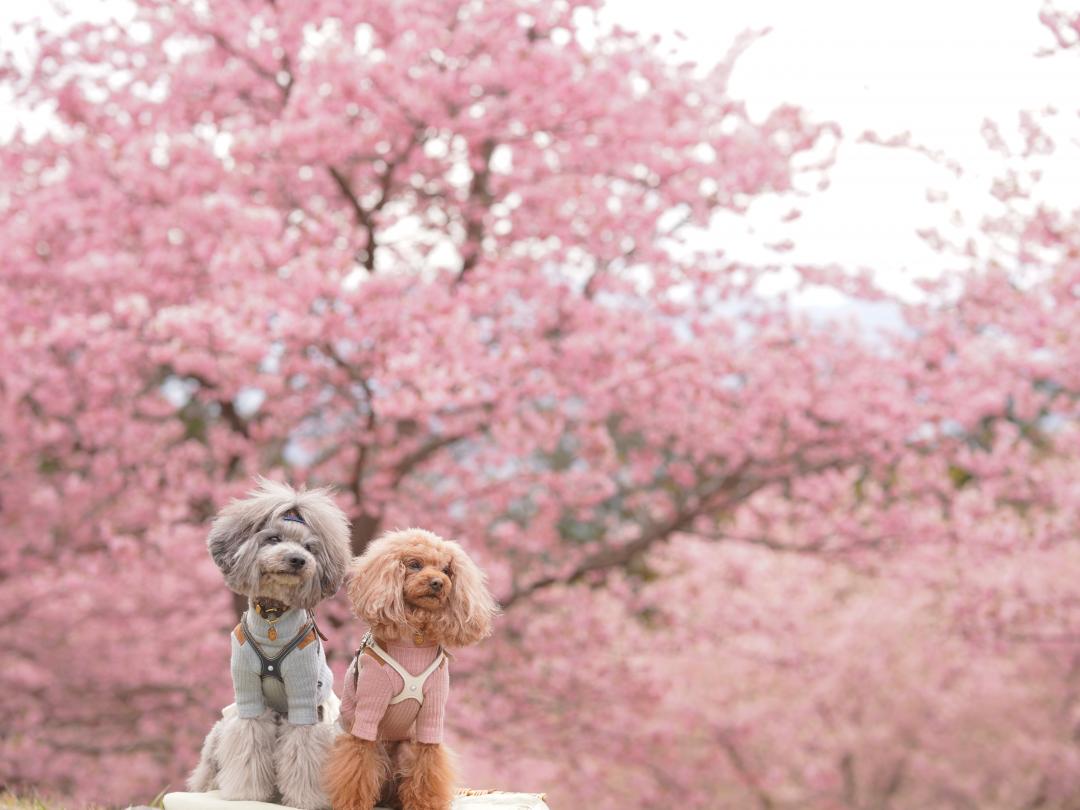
(446,570)
(309,546)
(272,539)
(414,565)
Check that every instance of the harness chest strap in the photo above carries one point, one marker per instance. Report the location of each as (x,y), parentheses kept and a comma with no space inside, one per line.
(271,667)
(412,685)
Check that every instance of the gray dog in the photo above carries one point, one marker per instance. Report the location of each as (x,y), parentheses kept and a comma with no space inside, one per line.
(286,551)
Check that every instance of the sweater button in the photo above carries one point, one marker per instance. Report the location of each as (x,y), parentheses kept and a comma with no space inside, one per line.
(270,668)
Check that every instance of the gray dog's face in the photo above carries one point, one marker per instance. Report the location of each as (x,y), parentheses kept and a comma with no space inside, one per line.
(285,563)
(282,544)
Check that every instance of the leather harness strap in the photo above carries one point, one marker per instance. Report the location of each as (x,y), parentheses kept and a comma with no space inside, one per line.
(271,667)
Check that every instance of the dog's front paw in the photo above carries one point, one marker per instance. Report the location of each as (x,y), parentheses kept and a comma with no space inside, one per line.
(427,777)
(245,756)
(355,773)
(300,756)
(204,777)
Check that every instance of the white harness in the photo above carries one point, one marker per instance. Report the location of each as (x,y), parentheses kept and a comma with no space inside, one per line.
(412,685)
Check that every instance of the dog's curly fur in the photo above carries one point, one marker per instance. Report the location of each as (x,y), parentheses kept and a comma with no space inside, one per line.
(392,588)
(299,562)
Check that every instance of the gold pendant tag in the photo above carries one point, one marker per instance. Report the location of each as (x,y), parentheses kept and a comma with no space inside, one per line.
(418,638)
(272,633)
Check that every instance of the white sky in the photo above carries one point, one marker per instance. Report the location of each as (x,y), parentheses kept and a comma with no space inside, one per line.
(935,67)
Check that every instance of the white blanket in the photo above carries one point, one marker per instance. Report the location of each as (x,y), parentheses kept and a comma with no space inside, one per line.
(468,800)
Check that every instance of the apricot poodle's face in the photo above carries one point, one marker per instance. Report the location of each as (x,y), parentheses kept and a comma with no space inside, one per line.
(429,575)
(413,578)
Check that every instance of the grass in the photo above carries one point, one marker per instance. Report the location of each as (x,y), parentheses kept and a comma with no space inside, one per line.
(9,801)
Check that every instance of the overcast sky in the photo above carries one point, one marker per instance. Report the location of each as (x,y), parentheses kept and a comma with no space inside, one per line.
(936,68)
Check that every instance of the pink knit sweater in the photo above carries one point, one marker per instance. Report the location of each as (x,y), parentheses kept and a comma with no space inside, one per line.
(365,707)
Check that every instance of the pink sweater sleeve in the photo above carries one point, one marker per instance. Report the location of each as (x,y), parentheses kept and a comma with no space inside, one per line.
(369,700)
(429,722)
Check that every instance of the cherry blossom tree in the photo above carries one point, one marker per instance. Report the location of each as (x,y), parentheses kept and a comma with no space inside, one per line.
(442,255)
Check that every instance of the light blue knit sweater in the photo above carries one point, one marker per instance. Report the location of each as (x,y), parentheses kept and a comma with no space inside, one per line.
(308,680)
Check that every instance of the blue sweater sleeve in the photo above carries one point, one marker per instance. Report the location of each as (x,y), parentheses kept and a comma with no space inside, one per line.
(247,685)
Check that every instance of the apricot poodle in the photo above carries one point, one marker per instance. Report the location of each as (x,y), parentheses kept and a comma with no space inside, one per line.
(419,594)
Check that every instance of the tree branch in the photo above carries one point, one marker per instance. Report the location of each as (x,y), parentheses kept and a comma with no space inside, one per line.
(479,195)
(751,782)
(621,555)
(365,217)
(731,490)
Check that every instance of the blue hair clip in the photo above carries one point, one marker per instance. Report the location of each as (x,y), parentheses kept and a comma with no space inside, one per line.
(294,517)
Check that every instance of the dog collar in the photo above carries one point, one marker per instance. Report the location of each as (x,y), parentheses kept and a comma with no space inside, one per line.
(270,609)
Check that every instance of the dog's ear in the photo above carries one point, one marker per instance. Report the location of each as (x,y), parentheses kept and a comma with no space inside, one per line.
(232,547)
(228,532)
(471,607)
(243,574)
(319,512)
(335,563)
(376,585)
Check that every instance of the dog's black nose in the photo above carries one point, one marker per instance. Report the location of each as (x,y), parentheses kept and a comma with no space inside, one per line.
(297,562)
(436,585)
